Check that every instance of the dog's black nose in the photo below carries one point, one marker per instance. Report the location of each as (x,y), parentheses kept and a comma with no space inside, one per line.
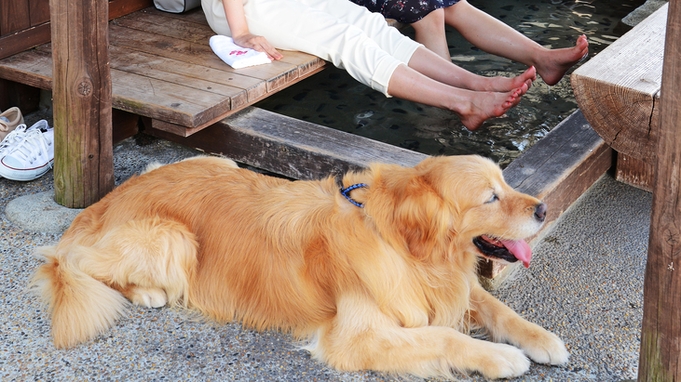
(540,212)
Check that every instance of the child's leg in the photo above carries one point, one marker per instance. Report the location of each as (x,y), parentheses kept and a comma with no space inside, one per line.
(430,64)
(473,107)
(357,46)
(493,36)
(422,60)
(430,31)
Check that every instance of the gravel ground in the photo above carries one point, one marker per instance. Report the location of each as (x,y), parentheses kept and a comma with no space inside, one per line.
(585,284)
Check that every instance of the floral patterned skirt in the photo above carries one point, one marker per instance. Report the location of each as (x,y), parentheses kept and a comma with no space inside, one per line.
(405,11)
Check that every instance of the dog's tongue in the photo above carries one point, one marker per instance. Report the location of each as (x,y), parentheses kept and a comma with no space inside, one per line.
(520,249)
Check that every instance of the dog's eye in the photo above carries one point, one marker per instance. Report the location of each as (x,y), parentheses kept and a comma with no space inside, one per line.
(493,199)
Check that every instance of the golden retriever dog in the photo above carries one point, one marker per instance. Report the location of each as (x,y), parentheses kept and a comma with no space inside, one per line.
(376,269)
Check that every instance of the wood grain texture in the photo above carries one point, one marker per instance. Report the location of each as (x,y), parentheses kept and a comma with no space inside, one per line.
(83,167)
(14,16)
(635,172)
(660,357)
(290,147)
(618,90)
(34,27)
(163,68)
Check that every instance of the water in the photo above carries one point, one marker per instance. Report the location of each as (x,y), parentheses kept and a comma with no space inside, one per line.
(332,98)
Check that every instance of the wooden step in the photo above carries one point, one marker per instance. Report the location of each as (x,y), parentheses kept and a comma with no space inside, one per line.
(163,68)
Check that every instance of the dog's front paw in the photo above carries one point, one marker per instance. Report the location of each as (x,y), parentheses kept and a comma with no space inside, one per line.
(547,348)
(148,297)
(504,361)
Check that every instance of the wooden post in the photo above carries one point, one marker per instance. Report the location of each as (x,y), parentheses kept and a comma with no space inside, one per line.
(660,358)
(83,169)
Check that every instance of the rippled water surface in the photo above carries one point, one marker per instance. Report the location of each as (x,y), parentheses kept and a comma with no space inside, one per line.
(334,99)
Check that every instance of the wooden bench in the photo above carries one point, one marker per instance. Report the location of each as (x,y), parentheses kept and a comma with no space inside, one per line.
(619,90)
(162,68)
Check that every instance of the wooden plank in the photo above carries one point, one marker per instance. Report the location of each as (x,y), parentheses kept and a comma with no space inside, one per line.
(134,93)
(164,100)
(83,167)
(32,67)
(118,8)
(39,33)
(187,52)
(660,354)
(26,39)
(195,15)
(290,147)
(618,90)
(14,16)
(156,22)
(163,68)
(185,131)
(180,73)
(39,11)
(635,172)
(161,88)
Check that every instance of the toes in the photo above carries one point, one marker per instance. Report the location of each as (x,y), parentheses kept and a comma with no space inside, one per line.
(149,297)
(506,362)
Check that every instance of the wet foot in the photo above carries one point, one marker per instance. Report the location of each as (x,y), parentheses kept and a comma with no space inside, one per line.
(504,84)
(486,105)
(555,62)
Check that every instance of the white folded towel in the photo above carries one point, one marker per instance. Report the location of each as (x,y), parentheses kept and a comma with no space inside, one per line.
(234,55)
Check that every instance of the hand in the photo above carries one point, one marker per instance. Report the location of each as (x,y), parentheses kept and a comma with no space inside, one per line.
(258,43)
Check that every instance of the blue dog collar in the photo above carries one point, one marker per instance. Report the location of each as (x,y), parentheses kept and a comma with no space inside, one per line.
(346,193)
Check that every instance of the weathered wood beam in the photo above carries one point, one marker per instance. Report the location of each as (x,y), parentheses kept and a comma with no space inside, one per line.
(660,358)
(83,169)
(618,89)
(290,147)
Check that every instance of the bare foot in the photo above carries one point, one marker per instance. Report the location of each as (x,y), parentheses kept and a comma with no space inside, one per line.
(486,105)
(555,62)
(504,84)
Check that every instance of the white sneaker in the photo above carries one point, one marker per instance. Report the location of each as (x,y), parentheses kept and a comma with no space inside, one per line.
(12,138)
(27,153)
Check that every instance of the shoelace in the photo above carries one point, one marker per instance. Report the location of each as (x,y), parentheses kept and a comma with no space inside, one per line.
(32,145)
(11,138)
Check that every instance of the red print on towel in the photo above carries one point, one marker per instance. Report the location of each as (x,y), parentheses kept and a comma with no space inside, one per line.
(237,52)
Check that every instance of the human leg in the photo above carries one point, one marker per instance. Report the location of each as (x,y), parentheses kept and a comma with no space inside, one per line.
(357,47)
(493,36)
(430,31)
(430,64)
(473,107)
(422,60)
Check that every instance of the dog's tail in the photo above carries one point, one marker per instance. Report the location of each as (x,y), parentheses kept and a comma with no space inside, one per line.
(81,306)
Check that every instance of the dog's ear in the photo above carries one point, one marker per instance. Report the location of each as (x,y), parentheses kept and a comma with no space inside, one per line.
(413,214)
(421,220)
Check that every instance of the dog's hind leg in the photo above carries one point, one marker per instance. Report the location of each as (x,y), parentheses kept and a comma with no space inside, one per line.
(150,261)
(362,337)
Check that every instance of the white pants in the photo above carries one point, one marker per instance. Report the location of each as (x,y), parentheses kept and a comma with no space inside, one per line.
(338,31)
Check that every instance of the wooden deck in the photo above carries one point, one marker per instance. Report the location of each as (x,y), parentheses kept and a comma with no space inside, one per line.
(619,93)
(163,68)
